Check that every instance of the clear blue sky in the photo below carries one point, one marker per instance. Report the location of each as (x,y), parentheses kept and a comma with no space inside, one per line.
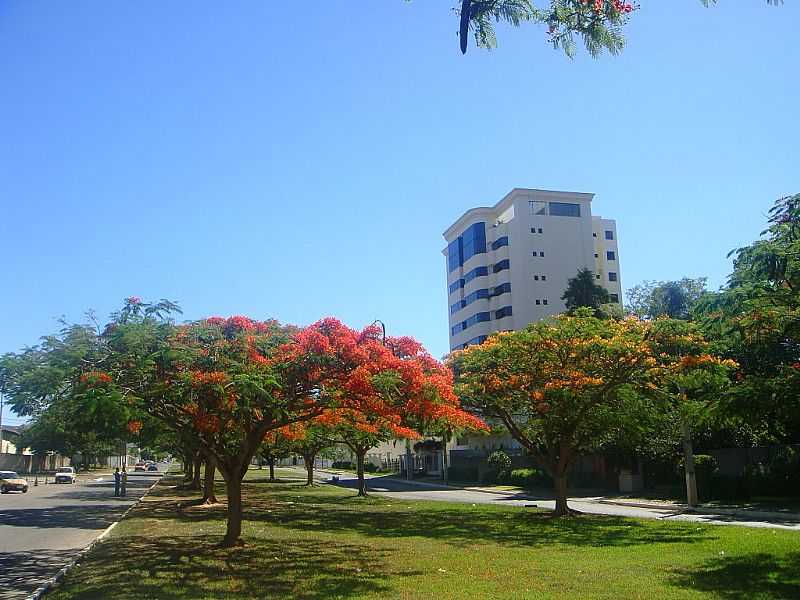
(268,159)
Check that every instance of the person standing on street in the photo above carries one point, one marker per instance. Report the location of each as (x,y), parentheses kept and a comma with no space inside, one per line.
(124,479)
(117,478)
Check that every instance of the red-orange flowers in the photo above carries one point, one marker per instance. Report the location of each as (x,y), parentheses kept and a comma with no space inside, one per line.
(93,378)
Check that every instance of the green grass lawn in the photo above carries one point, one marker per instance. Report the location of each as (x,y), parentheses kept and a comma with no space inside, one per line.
(323,543)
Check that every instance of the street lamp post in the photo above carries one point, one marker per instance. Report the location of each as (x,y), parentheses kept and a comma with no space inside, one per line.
(408,442)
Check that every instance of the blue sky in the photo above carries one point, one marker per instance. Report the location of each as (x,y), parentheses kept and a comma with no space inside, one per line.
(257,158)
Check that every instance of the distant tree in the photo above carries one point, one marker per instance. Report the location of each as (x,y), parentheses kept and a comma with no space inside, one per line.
(276,446)
(674,299)
(583,291)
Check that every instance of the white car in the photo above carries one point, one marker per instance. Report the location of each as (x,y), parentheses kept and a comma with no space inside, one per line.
(65,475)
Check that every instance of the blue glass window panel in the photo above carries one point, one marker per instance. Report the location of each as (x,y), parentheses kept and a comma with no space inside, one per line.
(476,272)
(454,255)
(456,285)
(502,265)
(503,288)
(609,235)
(474,241)
(565,209)
(611,255)
(499,243)
(503,312)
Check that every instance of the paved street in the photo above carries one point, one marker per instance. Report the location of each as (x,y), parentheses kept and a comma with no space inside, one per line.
(42,530)
(397,488)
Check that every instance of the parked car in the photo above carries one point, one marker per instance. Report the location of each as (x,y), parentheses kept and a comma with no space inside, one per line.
(65,475)
(140,466)
(152,467)
(10,482)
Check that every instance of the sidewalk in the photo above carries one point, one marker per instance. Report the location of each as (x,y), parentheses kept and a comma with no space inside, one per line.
(663,505)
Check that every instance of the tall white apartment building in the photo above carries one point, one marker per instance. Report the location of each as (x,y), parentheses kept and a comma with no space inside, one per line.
(508,265)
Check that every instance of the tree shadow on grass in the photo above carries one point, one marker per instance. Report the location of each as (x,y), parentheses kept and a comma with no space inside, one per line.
(459,524)
(324,509)
(751,577)
(172,568)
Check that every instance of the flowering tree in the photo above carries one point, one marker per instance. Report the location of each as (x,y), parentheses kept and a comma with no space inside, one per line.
(691,379)
(562,387)
(387,388)
(597,23)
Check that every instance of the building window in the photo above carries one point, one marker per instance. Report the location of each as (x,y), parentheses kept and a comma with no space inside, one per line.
(538,302)
(565,209)
(597,276)
(544,301)
(614,297)
(503,288)
(468,244)
(456,285)
(609,235)
(540,230)
(537,207)
(474,240)
(544,277)
(536,278)
(501,266)
(612,276)
(476,272)
(596,255)
(500,242)
(503,312)
(454,255)
(454,308)
(594,234)
(534,230)
(611,255)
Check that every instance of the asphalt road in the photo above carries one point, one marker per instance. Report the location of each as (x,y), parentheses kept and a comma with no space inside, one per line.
(397,488)
(41,531)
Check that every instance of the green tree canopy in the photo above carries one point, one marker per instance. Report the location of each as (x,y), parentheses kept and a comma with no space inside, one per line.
(583,292)
(673,299)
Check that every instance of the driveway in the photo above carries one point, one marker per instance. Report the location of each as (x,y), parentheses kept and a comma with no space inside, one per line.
(43,530)
(401,489)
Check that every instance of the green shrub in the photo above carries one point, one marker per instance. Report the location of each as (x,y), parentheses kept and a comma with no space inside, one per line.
(500,462)
(343,464)
(528,478)
(370,468)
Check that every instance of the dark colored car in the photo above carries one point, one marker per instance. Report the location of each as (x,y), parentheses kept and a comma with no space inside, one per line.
(152,468)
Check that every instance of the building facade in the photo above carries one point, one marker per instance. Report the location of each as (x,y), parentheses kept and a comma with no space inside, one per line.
(508,265)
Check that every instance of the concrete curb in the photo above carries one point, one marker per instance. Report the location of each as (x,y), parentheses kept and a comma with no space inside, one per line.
(48,584)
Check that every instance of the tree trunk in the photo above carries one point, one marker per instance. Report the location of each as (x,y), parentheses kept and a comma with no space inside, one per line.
(233,533)
(688,465)
(188,469)
(308,459)
(560,487)
(362,483)
(195,485)
(209,497)
(271,469)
